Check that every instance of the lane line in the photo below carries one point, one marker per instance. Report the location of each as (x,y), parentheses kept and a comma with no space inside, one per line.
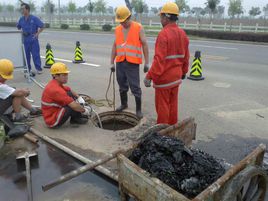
(208,46)
(70,61)
(216,47)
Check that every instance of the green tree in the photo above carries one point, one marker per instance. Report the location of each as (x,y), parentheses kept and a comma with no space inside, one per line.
(154,10)
(196,11)
(32,6)
(235,8)
(48,7)
(71,7)
(90,7)
(139,7)
(212,5)
(128,4)
(221,10)
(1,8)
(254,11)
(100,6)
(265,10)
(110,10)
(10,8)
(182,4)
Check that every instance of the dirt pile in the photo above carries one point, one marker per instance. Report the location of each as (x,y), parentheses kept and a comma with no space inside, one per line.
(169,160)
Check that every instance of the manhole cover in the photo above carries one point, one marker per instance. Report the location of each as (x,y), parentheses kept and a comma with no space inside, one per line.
(116,120)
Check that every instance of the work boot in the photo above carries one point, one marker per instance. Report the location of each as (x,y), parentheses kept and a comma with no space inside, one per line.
(80,120)
(138,107)
(123,97)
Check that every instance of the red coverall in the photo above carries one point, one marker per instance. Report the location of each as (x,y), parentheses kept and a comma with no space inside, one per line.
(54,98)
(171,61)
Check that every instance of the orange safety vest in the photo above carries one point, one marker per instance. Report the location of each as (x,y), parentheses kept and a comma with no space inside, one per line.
(130,49)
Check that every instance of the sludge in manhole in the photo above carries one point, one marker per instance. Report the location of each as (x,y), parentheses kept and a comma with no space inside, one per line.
(167,159)
(116,121)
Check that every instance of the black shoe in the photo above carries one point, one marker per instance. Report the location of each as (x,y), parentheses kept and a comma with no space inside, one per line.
(21,119)
(78,120)
(32,74)
(123,97)
(36,113)
(138,107)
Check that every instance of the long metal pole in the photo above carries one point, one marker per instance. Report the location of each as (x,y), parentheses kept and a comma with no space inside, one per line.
(80,171)
(76,155)
(28,177)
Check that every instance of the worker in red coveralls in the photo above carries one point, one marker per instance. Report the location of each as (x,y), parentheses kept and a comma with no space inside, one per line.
(170,65)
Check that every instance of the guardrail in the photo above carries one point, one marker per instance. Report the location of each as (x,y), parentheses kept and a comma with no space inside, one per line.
(155,26)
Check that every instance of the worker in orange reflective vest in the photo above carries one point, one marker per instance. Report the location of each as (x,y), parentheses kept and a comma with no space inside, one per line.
(170,65)
(130,42)
(60,102)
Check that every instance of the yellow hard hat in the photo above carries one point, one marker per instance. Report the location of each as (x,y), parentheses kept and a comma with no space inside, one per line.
(170,8)
(58,68)
(6,69)
(122,13)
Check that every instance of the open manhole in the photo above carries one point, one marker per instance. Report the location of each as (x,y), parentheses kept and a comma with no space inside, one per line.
(116,120)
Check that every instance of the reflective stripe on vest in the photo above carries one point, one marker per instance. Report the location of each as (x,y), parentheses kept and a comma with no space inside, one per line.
(131,47)
(58,117)
(177,82)
(176,56)
(60,113)
(129,54)
(50,104)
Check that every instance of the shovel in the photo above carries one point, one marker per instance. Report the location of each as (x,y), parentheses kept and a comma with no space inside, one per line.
(24,161)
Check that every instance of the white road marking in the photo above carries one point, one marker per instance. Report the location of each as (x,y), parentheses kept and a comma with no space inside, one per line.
(221,85)
(208,46)
(216,47)
(70,61)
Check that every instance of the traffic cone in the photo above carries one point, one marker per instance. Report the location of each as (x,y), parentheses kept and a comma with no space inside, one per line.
(196,70)
(49,57)
(78,58)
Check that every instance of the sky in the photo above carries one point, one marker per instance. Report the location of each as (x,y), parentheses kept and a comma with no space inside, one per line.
(247,4)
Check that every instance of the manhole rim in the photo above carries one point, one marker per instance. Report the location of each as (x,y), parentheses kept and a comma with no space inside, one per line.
(130,114)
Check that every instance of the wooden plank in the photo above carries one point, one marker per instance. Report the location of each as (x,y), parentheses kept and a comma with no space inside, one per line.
(184,130)
(138,183)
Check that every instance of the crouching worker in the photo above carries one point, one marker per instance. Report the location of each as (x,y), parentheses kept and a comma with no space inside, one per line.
(59,102)
(11,97)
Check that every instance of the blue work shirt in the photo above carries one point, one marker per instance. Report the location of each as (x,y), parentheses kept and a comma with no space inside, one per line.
(29,26)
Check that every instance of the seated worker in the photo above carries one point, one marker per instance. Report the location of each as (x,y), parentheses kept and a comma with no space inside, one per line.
(59,101)
(11,97)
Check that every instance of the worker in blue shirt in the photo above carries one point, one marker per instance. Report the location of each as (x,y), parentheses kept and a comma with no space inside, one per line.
(31,27)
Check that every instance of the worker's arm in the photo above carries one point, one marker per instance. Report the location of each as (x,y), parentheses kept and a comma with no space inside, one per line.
(113,53)
(185,66)
(38,32)
(40,26)
(145,48)
(158,65)
(21,92)
(76,107)
(74,93)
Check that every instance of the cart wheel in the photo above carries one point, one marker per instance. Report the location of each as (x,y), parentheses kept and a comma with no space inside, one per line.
(248,185)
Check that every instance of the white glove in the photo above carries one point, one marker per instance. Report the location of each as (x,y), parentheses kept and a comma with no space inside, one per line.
(87,112)
(147,82)
(80,100)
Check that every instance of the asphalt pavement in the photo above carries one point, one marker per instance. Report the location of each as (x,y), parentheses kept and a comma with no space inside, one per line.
(232,99)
